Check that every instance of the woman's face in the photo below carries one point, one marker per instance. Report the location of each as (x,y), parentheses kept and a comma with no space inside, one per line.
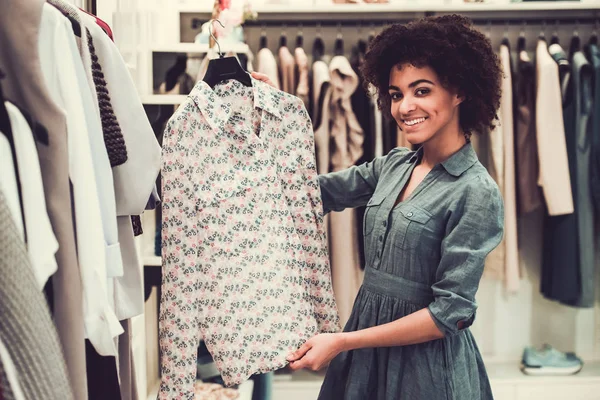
(421,106)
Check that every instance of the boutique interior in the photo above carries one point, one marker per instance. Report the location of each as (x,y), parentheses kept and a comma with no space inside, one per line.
(145,57)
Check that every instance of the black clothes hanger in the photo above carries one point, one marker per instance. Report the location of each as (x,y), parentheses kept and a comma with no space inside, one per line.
(318,49)
(555,39)
(263,39)
(283,39)
(300,39)
(594,37)
(4,120)
(575,45)
(338,47)
(224,68)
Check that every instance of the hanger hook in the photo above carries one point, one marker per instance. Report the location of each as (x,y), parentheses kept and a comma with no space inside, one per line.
(543,32)
(576,31)
(213,36)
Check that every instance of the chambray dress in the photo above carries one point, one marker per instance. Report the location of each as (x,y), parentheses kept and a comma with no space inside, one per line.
(427,252)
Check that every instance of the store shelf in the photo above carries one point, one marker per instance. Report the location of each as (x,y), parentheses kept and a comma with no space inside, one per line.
(411,7)
(197,48)
(174,99)
(152,261)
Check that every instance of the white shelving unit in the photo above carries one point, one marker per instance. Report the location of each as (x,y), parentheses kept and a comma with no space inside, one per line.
(363,8)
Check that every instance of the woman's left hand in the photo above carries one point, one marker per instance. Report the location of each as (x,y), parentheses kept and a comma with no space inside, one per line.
(317,352)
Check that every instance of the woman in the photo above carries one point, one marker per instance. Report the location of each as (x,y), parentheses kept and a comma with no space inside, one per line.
(432,217)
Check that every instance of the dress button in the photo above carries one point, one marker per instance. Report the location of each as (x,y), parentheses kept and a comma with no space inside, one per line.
(410,214)
(384,223)
(381,238)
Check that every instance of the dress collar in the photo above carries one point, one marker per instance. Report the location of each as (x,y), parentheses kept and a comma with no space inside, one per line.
(457,163)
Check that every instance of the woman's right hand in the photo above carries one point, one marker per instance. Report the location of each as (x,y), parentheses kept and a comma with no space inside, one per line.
(263,78)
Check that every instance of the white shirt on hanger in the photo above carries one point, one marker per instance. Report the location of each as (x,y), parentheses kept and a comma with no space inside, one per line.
(61,67)
(134,180)
(41,242)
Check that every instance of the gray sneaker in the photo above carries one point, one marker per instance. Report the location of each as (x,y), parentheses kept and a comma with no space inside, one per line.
(549,361)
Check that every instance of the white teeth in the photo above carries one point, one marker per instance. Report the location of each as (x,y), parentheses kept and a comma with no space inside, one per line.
(414,121)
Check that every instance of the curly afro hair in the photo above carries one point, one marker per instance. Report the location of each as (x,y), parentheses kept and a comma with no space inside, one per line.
(461,56)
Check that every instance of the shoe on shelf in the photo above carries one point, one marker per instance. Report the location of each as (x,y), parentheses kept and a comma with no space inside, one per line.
(548,361)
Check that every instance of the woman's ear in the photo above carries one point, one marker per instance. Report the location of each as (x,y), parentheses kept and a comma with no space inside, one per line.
(458,99)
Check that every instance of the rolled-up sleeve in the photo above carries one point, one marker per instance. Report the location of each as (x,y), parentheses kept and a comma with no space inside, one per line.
(354,186)
(473,230)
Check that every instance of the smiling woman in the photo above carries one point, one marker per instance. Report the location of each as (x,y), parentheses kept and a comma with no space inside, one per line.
(432,217)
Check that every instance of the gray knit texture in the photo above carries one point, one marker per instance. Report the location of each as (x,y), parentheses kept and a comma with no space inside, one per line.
(26,328)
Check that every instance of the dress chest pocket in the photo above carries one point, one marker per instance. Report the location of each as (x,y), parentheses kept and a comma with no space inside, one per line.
(409,226)
(371,210)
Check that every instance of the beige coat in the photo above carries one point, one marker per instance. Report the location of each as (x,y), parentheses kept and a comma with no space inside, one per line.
(302,90)
(286,70)
(347,137)
(550,132)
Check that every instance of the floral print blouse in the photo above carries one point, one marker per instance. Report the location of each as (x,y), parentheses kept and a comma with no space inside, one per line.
(245,263)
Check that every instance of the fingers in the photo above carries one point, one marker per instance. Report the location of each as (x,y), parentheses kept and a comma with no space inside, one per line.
(298,354)
(262,77)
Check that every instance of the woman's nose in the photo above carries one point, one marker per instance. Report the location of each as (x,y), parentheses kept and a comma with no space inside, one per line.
(406,106)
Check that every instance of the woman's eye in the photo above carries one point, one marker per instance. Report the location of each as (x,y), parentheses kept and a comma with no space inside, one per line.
(396,96)
(422,92)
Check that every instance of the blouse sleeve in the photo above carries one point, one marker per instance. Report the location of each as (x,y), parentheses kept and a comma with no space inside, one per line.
(354,186)
(473,230)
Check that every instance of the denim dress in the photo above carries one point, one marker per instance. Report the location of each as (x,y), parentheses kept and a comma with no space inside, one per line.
(426,252)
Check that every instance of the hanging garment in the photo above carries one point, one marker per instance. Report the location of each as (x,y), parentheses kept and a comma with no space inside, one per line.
(322,115)
(19,59)
(511,271)
(41,242)
(527,166)
(347,139)
(268,66)
(286,70)
(552,150)
(363,109)
(302,90)
(27,330)
(582,77)
(595,151)
(58,48)
(560,278)
(421,254)
(134,181)
(245,262)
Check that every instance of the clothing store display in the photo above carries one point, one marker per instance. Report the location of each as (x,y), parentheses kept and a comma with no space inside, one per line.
(240,270)
(595,139)
(549,361)
(27,329)
(302,90)
(510,270)
(41,242)
(529,195)
(268,65)
(418,258)
(86,166)
(287,65)
(19,59)
(552,149)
